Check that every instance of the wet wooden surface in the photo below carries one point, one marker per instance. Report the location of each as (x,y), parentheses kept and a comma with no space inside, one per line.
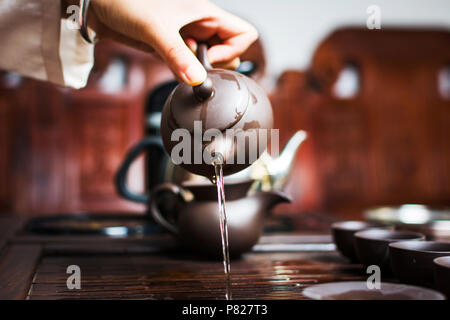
(150,276)
(152,267)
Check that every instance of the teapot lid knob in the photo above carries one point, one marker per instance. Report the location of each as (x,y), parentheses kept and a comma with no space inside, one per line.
(204,91)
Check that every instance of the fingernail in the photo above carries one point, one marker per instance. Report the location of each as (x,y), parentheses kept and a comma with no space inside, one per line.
(192,44)
(195,74)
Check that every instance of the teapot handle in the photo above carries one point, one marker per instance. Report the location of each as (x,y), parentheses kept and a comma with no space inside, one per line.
(153,205)
(121,176)
(202,56)
(205,90)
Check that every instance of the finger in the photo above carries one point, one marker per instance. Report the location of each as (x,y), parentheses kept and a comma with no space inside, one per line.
(228,35)
(201,30)
(180,59)
(231,48)
(232,64)
(236,35)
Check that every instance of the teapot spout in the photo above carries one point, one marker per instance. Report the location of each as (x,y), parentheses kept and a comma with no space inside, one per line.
(279,168)
(269,199)
(271,173)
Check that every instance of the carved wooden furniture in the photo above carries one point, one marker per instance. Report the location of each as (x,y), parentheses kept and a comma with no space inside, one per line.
(385,143)
(60,148)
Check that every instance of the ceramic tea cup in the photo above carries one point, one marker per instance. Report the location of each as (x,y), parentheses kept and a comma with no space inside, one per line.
(372,246)
(412,261)
(343,235)
(442,274)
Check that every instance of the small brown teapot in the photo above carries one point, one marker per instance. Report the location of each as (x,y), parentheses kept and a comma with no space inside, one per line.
(226,102)
(197,223)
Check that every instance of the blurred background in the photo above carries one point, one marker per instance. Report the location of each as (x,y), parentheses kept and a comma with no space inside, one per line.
(292,29)
(375,105)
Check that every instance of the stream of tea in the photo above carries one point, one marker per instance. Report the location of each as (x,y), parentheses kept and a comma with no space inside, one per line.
(223,226)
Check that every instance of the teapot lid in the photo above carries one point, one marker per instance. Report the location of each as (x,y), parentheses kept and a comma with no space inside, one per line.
(219,102)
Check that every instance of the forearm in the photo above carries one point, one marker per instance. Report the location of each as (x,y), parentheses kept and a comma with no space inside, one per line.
(35,43)
(40,40)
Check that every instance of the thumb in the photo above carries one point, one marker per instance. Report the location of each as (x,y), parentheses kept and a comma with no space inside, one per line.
(180,59)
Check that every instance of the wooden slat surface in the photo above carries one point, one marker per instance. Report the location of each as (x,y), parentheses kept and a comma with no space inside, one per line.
(151,267)
(17,266)
(178,276)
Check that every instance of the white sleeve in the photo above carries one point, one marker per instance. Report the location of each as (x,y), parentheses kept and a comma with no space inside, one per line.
(36,42)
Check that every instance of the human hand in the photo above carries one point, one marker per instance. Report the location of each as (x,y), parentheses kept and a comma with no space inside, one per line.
(172,28)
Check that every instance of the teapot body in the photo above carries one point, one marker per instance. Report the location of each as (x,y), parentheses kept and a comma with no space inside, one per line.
(235,122)
(228,115)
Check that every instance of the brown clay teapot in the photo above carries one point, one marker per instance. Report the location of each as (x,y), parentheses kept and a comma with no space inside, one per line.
(197,223)
(226,102)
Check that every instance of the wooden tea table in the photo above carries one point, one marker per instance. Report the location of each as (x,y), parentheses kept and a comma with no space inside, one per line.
(152,267)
